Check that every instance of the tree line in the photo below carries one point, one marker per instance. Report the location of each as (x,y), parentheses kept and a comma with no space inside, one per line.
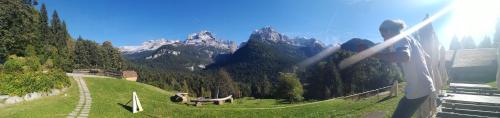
(22,25)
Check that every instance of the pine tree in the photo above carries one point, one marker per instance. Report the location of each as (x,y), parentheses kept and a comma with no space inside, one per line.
(455,44)
(18,23)
(485,43)
(58,32)
(468,42)
(184,87)
(496,40)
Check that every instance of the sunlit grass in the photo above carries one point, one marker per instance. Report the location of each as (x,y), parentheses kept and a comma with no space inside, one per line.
(492,84)
(48,107)
(109,95)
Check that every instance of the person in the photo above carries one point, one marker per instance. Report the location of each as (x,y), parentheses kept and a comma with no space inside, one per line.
(410,56)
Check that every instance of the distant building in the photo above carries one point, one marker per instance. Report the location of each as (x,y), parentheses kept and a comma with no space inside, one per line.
(476,65)
(130,75)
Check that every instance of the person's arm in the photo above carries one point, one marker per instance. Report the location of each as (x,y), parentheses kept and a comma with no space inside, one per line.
(394,56)
(402,53)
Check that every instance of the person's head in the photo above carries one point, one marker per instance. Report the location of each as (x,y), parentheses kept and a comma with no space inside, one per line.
(391,28)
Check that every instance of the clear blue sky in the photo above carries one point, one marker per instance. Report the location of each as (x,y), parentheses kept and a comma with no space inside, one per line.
(131,22)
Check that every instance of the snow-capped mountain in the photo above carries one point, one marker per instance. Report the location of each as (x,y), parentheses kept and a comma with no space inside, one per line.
(206,38)
(203,38)
(148,45)
(269,34)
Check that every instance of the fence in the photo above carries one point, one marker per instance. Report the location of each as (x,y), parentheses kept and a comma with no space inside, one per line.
(99,72)
(375,92)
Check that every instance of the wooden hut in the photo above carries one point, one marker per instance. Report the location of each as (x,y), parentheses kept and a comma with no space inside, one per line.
(130,75)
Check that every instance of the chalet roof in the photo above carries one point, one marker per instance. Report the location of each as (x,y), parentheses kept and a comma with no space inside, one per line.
(479,57)
(129,73)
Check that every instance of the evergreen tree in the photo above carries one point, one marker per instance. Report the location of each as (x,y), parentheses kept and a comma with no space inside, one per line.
(486,43)
(184,87)
(18,23)
(225,85)
(57,33)
(468,43)
(496,40)
(324,81)
(455,44)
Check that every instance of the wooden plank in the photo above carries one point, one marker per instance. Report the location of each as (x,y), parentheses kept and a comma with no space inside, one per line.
(474,99)
(457,115)
(472,107)
(472,112)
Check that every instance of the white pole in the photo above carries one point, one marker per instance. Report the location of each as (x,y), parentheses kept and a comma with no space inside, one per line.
(134,103)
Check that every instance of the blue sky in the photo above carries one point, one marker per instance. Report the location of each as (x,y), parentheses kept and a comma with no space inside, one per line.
(131,22)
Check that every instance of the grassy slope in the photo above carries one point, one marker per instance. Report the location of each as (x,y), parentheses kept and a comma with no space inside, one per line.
(109,95)
(48,107)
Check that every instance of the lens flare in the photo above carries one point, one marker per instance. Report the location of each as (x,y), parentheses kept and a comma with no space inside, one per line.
(375,49)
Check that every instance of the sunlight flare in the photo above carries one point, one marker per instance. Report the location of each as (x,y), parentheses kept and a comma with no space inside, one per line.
(377,48)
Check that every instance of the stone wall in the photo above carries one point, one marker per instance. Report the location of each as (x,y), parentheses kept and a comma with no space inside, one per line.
(5,99)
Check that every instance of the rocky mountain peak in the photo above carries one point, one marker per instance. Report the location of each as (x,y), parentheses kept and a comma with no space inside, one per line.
(268,34)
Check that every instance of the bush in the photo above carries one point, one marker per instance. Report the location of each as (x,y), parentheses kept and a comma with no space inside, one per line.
(290,87)
(21,84)
(22,64)
(14,64)
(22,75)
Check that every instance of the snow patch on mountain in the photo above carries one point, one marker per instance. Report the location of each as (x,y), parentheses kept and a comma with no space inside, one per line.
(269,34)
(203,38)
(148,45)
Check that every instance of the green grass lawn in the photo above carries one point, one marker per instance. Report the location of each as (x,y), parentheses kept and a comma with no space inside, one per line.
(492,84)
(47,107)
(110,95)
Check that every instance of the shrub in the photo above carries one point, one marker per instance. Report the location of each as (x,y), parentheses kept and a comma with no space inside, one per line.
(19,84)
(290,87)
(22,64)
(14,64)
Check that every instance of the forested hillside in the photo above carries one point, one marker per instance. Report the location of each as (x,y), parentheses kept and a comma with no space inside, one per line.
(36,51)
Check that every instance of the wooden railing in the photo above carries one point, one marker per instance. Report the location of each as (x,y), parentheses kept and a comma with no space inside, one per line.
(374,92)
(99,72)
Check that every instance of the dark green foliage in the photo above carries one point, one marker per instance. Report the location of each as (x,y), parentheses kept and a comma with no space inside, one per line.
(257,64)
(39,52)
(289,87)
(90,55)
(225,85)
(323,81)
(187,56)
(18,29)
(368,74)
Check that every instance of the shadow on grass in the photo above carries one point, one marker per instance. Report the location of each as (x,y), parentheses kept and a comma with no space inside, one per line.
(385,99)
(125,106)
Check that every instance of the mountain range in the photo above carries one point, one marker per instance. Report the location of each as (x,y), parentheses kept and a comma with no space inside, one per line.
(203,49)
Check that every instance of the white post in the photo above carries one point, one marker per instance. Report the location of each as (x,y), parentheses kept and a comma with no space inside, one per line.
(136,103)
